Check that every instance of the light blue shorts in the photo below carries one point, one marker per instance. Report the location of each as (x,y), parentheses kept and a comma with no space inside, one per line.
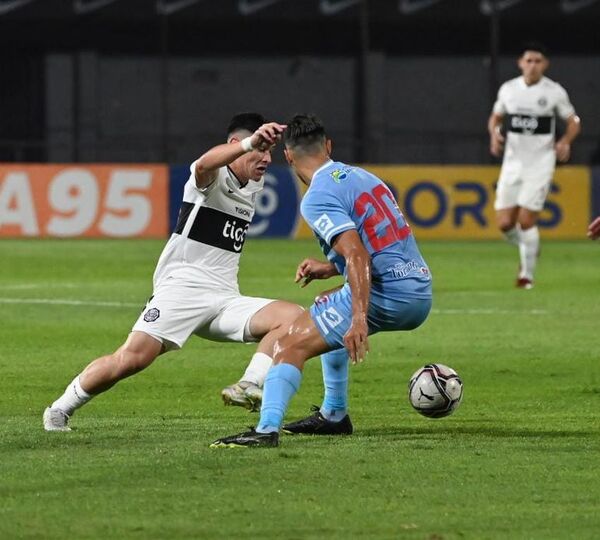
(333,314)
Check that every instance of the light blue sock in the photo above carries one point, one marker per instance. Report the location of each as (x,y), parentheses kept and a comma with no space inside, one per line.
(335,380)
(282,382)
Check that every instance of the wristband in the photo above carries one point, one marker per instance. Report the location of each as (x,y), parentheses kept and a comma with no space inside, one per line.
(247,144)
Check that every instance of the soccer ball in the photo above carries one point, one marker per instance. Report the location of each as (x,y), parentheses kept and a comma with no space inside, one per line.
(435,390)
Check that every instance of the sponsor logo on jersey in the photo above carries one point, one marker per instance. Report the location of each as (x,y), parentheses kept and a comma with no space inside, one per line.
(400,270)
(151,315)
(530,125)
(219,229)
(242,211)
(236,233)
(323,224)
(340,174)
(526,123)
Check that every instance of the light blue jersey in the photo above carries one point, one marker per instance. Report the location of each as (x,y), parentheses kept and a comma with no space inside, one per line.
(341,198)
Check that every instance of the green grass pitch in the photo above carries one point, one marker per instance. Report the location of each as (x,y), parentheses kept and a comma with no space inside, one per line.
(519,458)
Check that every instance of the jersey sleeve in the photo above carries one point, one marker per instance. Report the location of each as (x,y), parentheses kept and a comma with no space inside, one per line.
(326,214)
(205,189)
(500,103)
(564,108)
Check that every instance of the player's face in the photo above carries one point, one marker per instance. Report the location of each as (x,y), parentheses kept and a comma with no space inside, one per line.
(255,163)
(532,65)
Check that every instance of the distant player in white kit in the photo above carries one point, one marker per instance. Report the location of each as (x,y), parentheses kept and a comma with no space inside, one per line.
(195,285)
(527,107)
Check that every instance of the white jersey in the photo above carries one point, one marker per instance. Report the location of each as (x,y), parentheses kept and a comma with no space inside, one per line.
(205,247)
(530,117)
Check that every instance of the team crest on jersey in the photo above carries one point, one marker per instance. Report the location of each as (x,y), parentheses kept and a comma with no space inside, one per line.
(542,102)
(323,224)
(340,174)
(151,315)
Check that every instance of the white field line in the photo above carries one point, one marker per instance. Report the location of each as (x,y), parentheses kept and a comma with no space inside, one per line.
(67,302)
(26,286)
(96,303)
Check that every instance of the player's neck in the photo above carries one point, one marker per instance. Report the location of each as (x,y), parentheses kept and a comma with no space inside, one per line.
(307,167)
(530,81)
(239,176)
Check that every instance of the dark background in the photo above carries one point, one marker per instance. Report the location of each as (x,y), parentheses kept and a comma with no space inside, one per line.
(396,81)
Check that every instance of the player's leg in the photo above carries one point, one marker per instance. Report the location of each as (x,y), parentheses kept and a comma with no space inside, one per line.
(301,342)
(506,220)
(249,319)
(313,333)
(529,247)
(166,323)
(506,202)
(137,353)
(332,417)
(532,197)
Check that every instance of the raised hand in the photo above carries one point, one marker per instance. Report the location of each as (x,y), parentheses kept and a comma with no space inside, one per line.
(267,136)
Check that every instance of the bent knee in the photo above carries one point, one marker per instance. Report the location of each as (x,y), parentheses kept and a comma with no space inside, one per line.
(505,224)
(129,361)
(289,348)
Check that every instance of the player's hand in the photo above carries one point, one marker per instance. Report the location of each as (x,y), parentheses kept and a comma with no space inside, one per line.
(310,269)
(497,143)
(594,229)
(267,136)
(356,340)
(563,151)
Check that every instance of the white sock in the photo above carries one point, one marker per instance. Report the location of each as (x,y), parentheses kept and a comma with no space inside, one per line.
(528,250)
(257,369)
(512,236)
(73,398)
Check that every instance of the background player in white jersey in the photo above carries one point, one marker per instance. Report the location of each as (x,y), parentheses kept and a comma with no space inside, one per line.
(195,287)
(522,124)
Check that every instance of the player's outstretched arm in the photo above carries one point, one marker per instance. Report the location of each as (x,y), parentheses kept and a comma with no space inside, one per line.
(310,269)
(208,164)
(496,137)
(358,270)
(594,229)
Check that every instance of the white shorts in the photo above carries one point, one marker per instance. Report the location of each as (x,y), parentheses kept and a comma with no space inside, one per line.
(175,312)
(526,187)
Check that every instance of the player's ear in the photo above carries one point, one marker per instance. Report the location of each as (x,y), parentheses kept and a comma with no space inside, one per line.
(287,155)
(328,146)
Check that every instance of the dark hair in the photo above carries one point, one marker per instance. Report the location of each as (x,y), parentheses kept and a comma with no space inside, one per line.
(533,46)
(305,132)
(248,121)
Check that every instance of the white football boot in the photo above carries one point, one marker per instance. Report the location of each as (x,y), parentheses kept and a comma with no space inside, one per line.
(243,394)
(56,420)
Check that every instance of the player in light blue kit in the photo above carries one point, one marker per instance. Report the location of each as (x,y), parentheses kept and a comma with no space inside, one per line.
(388,285)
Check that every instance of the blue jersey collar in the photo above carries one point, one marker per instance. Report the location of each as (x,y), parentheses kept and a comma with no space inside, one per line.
(324,166)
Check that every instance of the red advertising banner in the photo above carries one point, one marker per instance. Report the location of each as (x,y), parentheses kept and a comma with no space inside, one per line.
(84,200)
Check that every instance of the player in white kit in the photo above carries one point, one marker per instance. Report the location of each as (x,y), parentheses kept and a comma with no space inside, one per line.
(522,123)
(195,286)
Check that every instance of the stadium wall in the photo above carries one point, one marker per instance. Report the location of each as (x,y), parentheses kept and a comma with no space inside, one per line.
(140,200)
(419,109)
